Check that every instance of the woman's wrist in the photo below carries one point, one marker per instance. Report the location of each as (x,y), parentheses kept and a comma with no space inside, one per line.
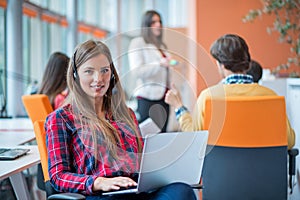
(180,111)
(97,184)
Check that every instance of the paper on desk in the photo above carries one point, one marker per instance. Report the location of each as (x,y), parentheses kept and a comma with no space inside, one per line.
(148,126)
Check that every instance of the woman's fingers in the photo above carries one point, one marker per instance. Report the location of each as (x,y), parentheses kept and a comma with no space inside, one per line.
(107,184)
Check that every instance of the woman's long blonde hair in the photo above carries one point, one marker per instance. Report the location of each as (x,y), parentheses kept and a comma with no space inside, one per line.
(113,102)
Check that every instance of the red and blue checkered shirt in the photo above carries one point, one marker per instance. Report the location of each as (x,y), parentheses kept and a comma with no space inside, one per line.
(71,162)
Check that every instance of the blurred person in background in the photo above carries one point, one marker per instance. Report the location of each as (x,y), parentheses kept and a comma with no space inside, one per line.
(54,82)
(149,59)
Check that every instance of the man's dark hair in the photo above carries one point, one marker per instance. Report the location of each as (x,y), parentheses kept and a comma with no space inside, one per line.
(255,70)
(231,51)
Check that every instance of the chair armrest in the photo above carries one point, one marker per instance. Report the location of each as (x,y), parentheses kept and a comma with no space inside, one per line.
(197,186)
(292,160)
(54,195)
(292,167)
(67,196)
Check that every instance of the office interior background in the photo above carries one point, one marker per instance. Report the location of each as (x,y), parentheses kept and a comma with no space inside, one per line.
(30,30)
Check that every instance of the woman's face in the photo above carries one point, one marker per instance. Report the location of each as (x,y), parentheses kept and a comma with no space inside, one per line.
(156,25)
(94,76)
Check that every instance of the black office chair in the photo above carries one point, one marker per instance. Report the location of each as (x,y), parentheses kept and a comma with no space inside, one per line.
(247,149)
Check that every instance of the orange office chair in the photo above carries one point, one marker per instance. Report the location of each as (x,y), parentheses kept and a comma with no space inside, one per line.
(37,106)
(247,148)
(40,135)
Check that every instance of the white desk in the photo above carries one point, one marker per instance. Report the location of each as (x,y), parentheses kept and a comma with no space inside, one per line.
(13,138)
(13,169)
(16,124)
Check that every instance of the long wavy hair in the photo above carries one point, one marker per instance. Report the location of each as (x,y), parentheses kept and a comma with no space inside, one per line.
(54,79)
(113,102)
(232,51)
(146,31)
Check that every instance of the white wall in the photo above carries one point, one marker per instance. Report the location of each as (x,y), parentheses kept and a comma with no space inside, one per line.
(290,88)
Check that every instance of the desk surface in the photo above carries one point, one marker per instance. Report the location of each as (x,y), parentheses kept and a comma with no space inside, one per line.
(16,124)
(9,168)
(14,138)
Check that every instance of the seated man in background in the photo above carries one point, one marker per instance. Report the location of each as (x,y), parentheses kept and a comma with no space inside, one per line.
(233,59)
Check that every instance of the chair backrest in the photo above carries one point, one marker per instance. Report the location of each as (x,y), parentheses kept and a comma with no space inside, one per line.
(247,148)
(40,136)
(37,106)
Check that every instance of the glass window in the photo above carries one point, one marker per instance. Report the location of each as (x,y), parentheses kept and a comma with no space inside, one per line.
(36,49)
(58,6)
(134,17)
(2,39)
(108,15)
(55,37)
(41,38)
(26,79)
(45,41)
(81,10)
(91,11)
(63,40)
(42,3)
(2,59)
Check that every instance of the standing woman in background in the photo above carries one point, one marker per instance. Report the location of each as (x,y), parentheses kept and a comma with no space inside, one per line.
(54,82)
(149,59)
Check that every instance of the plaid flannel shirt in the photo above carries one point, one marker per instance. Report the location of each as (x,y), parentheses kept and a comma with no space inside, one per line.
(72,164)
(238,79)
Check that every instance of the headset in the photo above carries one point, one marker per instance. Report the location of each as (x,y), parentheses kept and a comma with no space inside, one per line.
(75,74)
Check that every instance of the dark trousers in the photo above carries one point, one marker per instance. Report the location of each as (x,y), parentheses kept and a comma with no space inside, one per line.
(157,110)
(174,191)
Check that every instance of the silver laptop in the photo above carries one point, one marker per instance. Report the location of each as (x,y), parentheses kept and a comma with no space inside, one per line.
(168,158)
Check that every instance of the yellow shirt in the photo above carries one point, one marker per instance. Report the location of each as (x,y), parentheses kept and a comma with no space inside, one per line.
(189,123)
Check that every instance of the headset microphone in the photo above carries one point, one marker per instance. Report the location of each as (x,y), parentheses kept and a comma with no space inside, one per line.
(113,82)
(74,66)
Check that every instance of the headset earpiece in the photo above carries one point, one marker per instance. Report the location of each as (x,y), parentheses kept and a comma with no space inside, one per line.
(74,75)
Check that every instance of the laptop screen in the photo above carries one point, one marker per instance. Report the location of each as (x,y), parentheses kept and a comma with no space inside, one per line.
(168,158)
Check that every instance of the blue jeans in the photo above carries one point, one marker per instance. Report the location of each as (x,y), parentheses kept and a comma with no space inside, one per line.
(174,191)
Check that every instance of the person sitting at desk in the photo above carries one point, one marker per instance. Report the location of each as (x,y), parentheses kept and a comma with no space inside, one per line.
(233,58)
(94,142)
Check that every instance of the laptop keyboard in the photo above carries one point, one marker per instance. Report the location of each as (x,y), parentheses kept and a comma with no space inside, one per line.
(127,188)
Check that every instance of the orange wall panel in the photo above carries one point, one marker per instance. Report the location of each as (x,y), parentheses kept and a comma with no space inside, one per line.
(218,17)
